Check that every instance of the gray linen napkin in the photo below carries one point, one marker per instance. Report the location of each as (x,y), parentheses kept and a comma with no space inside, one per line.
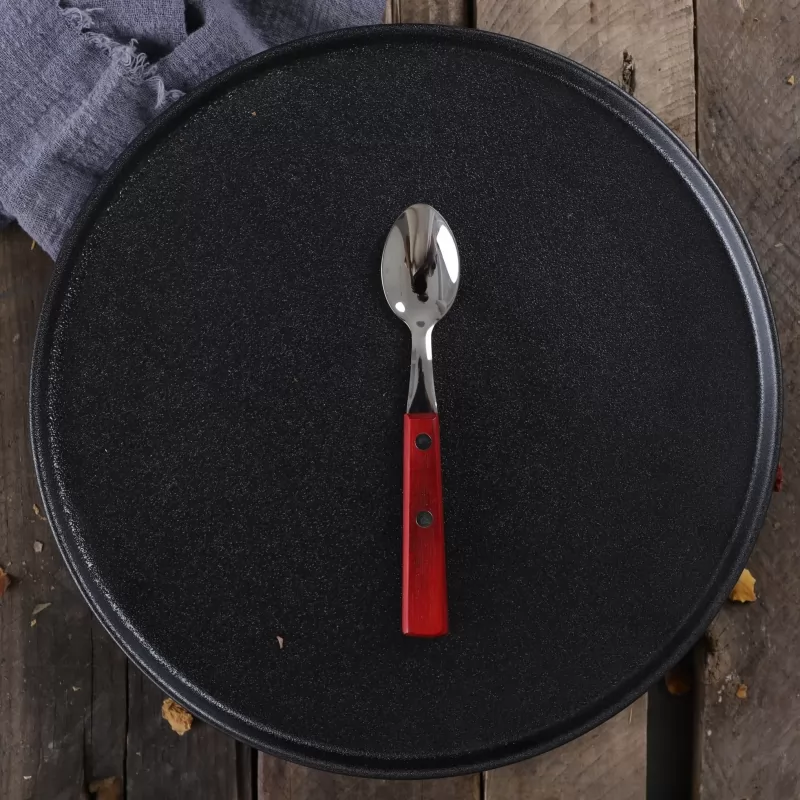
(80,78)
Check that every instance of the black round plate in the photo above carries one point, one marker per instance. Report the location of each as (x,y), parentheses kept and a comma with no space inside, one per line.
(219,387)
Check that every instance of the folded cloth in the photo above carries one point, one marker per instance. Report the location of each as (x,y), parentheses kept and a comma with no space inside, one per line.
(78,83)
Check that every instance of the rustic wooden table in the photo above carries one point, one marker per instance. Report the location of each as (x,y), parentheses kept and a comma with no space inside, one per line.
(72,709)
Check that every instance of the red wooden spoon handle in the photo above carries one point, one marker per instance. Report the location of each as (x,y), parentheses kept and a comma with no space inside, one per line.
(424,579)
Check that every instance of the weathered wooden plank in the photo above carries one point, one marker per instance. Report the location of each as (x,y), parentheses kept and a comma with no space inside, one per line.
(749,139)
(657,36)
(646,47)
(202,763)
(280,780)
(608,762)
(62,685)
(441,12)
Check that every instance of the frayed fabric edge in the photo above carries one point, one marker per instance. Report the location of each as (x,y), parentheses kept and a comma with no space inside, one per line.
(124,57)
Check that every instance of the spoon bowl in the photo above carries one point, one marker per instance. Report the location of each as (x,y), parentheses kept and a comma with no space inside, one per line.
(420,273)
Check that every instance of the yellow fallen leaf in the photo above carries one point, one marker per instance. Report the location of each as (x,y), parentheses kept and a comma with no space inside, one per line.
(744,591)
(106,789)
(179,719)
(791,80)
(5,581)
(741,692)
(38,512)
(678,681)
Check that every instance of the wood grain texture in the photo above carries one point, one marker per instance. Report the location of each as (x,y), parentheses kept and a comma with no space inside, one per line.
(657,35)
(72,710)
(749,139)
(441,12)
(203,763)
(62,702)
(280,780)
(608,762)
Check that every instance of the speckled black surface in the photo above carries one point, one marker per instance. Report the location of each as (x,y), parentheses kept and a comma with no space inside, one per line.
(219,389)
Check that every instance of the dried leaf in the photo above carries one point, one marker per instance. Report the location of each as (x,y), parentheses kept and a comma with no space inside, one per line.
(179,719)
(37,547)
(33,243)
(33,623)
(37,609)
(5,581)
(280,642)
(778,485)
(741,692)
(744,591)
(678,681)
(38,512)
(791,80)
(628,72)
(106,789)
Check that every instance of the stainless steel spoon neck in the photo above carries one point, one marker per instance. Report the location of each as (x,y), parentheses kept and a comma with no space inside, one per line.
(421,391)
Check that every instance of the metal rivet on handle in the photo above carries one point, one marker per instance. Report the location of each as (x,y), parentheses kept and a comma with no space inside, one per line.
(424,519)
(423,441)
